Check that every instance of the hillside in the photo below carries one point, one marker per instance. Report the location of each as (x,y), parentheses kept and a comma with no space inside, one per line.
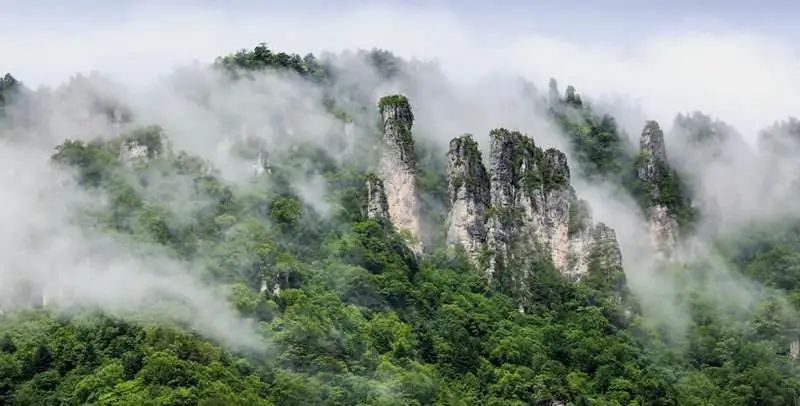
(319,242)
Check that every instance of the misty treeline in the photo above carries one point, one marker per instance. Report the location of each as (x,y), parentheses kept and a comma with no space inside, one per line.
(334,307)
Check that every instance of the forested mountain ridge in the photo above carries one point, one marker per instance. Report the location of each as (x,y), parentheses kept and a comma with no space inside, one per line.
(420,276)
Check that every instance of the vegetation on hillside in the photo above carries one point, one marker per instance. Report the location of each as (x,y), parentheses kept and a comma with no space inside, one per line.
(350,316)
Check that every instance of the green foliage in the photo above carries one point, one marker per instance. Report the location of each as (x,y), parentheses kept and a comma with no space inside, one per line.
(599,147)
(116,362)
(674,194)
(529,166)
(385,63)
(579,217)
(602,154)
(262,58)
(357,318)
(701,130)
(8,87)
(94,162)
(394,100)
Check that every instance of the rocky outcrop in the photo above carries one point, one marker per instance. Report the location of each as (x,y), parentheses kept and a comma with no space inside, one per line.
(377,206)
(530,197)
(397,168)
(143,145)
(652,171)
(664,230)
(469,197)
(653,166)
(606,247)
(133,153)
(522,210)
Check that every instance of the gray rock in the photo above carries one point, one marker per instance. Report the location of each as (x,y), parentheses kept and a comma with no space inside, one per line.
(652,169)
(377,206)
(143,145)
(469,197)
(524,210)
(397,168)
(664,231)
(607,246)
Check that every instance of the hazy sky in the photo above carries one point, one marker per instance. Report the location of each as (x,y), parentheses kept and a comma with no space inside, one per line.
(728,58)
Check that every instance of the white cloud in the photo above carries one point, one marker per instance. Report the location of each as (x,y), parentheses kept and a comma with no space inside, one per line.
(44,249)
(746,79)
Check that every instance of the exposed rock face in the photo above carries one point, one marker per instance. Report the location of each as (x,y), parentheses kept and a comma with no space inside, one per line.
(523,211)
(531,197)
(397,167)
(377,206)
(652,171)
(607,247)
(551,200)
(469,196)
(143,145)
(510,156)
(654,166)
(132,153)
(663,230)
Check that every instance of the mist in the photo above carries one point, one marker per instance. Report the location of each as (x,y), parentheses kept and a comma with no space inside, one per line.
(462,89)
(49,257)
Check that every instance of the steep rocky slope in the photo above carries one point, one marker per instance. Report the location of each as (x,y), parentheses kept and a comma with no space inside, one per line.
(653,170)
(397,168)
(522,210)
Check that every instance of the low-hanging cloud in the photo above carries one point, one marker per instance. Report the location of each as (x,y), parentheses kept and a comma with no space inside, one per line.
(745,78)
(46,254)
(475,85)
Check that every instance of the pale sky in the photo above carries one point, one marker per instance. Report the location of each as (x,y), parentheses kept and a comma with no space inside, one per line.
(734,59)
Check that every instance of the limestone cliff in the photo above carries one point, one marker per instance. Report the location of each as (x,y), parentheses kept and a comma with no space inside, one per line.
(653,169)
(469,197)
(664,229)
(397,168)
(521,210)
(606,247)
(530,197)
(377,206)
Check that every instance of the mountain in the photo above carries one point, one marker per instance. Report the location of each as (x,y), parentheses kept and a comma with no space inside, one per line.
(304,235)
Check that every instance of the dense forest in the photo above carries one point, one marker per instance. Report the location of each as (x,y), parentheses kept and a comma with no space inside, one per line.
(346,311)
